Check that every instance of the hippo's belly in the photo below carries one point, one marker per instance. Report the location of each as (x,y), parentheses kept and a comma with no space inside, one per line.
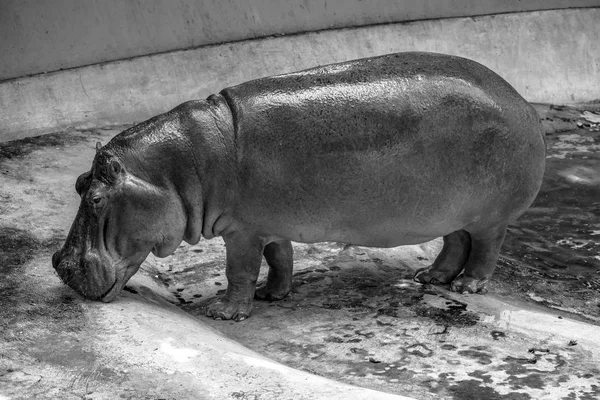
(346,199)
(409,192)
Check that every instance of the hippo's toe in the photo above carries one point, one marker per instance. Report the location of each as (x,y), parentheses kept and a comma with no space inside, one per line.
(432,276)
(224,309)
(268,292)
(464,284)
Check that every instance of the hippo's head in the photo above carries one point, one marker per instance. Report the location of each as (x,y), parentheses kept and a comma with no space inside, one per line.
(121,219)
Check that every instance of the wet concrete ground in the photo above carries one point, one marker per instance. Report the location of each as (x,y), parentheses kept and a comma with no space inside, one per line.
(552,253)
(355,315)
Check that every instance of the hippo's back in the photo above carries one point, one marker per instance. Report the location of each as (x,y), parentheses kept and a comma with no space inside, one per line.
(414,138)
(399,80)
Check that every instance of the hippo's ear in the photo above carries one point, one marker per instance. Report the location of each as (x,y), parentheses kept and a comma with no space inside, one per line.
(98,146)
(115,168)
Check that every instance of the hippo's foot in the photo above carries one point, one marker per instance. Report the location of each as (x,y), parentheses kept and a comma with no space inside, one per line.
(280,257)
(227,309)
(269,292)
(433,276)
(464,284)
(485,247)
(450,262)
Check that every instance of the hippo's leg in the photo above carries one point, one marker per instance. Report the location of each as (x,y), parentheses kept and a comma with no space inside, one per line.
(485,248)
(280,257)
(244,256)
(450,262)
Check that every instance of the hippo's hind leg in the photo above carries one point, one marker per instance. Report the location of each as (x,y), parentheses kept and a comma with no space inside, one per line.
(244,255)
(450,262)
(280,257)
(485,248)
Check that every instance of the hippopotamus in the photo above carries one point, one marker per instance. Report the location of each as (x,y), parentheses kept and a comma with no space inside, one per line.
(385,151)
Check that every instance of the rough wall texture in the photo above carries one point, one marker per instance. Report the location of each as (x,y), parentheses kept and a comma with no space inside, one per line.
(548,56)
(43,36)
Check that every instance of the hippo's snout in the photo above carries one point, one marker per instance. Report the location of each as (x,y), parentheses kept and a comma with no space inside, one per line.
(87,274)
(62,267)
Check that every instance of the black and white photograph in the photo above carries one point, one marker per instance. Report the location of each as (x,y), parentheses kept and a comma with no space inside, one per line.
(298,200)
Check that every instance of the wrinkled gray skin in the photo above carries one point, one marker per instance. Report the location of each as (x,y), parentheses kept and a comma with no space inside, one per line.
(381,152)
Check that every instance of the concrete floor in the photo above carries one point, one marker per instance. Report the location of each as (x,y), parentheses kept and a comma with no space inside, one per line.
(355,326)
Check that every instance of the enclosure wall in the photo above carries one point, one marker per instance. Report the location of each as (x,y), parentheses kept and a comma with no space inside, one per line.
(42,36)
(549,56)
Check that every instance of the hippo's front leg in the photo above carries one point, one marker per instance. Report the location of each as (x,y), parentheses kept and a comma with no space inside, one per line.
(244,255)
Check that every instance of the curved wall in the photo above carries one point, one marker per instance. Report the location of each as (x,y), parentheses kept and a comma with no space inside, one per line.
(548,56)
(42,36)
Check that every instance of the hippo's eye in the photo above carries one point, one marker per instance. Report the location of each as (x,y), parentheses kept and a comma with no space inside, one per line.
(97,200)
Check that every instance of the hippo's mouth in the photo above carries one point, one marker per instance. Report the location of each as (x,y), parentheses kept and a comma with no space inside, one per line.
(112,292)
(119,284)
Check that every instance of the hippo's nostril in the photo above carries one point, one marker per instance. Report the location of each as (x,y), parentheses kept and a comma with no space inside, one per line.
(87,272)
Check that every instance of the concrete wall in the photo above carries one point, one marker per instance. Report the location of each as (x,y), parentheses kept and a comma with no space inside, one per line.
(548,56)
(47,35)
